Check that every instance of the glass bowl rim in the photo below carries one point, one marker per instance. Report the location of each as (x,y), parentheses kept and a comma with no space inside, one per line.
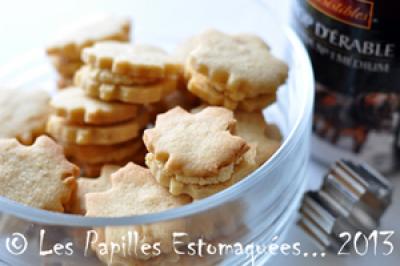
(11,207)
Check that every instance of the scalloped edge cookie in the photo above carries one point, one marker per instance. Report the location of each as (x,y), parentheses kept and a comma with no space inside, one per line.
(139,60)
(23,113)
(75,106)
(38,175)
(60,129)
(240,63)
(86,33)
(139,94)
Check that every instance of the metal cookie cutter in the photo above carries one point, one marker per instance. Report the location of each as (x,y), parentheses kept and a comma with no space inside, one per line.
(353,197)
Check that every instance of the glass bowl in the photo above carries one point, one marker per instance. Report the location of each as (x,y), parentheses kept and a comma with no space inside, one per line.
(255,211)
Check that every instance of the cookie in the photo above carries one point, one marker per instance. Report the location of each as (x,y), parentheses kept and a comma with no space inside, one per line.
(94,169)
(134,191)
(140,94)
(76,107)
(90,185)
(85,34)
(65,67)
(195,148)
(38,176)
(239,63)
(205,90)
(179,185)
(254,129)
(60,129)
(139,61)
(96,154)
(201,87)
(193,143)
(106,76)
(91,170)
(183,50)
(63,83)
(23,113)
(273,132)
(181,53)
(256,103)
(180,97)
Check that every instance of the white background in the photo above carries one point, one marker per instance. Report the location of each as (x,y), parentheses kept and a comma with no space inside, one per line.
(30,24)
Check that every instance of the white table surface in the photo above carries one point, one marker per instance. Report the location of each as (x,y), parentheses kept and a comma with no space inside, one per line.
(26,24)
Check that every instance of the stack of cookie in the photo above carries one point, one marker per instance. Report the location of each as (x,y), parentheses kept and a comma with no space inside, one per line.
(100,120)
(239,73)
(235,71)
(65,52)
(197,154)
(94,133)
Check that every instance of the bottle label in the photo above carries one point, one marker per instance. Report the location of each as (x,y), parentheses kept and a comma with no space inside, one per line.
(354,46)
(355,13)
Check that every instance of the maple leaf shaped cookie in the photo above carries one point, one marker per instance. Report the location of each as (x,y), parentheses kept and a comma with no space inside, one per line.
(144,61)
(90,185)
(37,175)
(87,32)
(255,130)
(197,145)
(134,191)
(241,64)
(23,113)
(78,108)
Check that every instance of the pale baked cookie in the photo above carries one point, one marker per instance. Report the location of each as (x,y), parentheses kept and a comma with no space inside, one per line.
(90,185)
(240,64)
(273,132)
(94,169)
(228,176)
(23,113)
(200,86)
(94,29)
(96,154)
(136,94)
(135,192)
(60,129)
(194,149)
(106,76)
(212,94)
(256,103)
(37,175)
(180,97)
(254,129)
(64,83)
(76,107)
(143,61)
(64,67)
(183,50)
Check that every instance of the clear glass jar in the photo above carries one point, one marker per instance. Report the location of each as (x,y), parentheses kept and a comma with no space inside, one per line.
(253,211)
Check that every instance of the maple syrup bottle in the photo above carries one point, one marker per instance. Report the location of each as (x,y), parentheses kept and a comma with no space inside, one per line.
(354,47)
